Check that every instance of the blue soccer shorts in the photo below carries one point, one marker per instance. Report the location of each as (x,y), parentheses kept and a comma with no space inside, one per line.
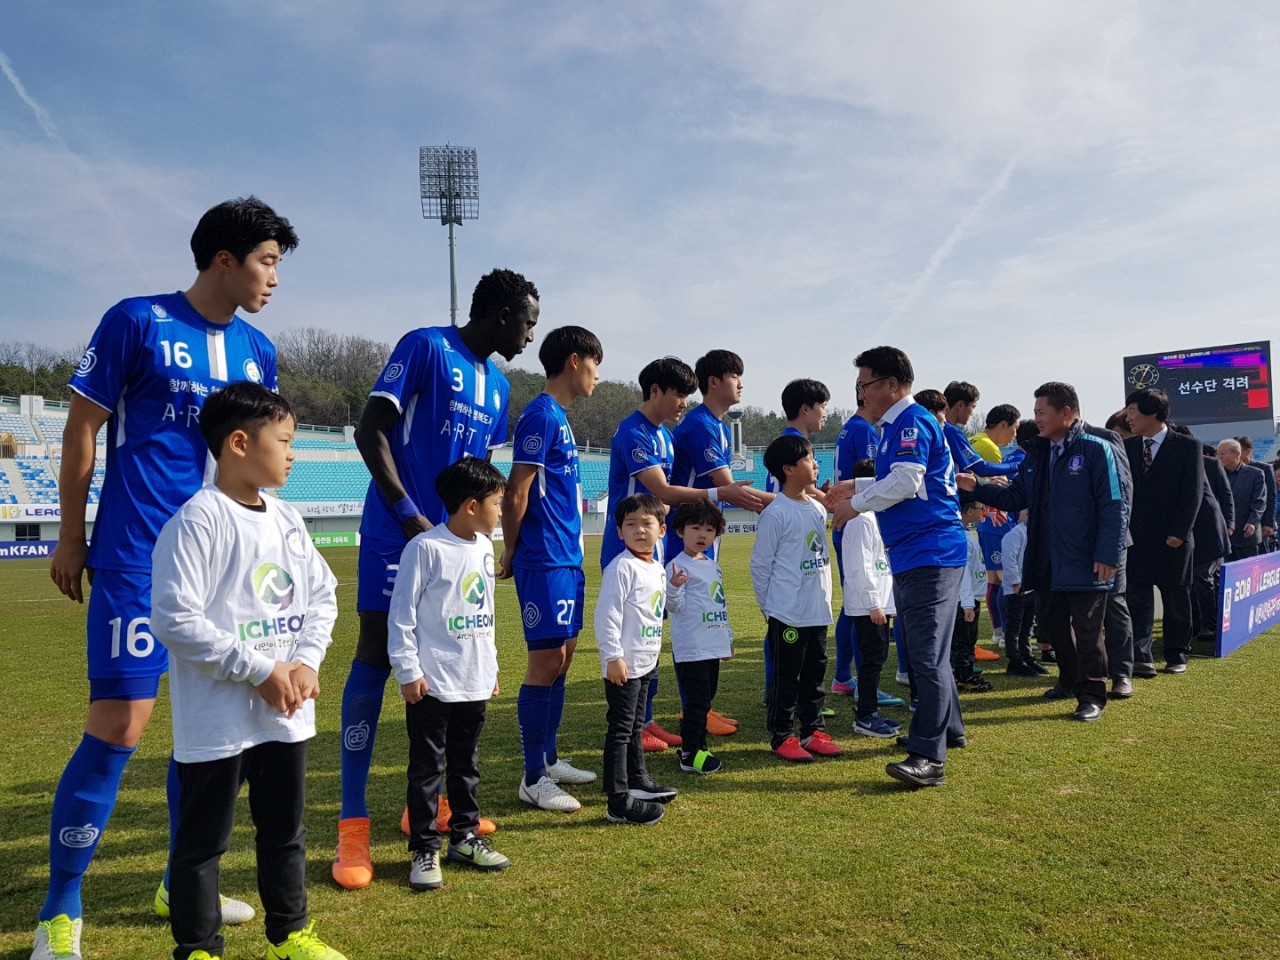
(376,574)
(125,660)
(551,601)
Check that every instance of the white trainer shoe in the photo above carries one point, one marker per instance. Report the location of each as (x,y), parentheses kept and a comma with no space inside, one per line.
(545,795)
(58,939)
(234,912)
(562,771)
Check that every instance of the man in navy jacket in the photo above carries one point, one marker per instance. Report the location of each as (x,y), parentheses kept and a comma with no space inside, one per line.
(1070,483)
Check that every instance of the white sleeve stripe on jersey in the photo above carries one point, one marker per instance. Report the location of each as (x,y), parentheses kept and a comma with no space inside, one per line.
(89,398)
(388,396)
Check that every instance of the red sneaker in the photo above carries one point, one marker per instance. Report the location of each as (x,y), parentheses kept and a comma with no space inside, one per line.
(650,743)
(790,749)
(670,739)
(820,743)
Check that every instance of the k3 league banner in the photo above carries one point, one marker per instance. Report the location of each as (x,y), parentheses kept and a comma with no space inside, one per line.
(1249,600)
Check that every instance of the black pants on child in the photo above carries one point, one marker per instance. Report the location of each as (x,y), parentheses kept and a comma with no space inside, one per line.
(698,681)
(623,752)
(276,774)
(799,666)
(873,648)
(444,744)
(1019,614)
(964,637)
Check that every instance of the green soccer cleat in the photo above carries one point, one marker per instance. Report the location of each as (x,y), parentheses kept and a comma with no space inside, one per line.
(58,939)
(303,945)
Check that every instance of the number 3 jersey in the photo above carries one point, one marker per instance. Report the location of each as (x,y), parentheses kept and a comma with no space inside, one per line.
(234,591)
(152,363)
(451,403)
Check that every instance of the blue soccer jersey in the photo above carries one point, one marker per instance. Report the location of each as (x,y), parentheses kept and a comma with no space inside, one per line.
(152,362)
(637,445)
(451,402)
(967,458)
(771,483)
(551,531)
(924,530)
(858,441)
(701,448)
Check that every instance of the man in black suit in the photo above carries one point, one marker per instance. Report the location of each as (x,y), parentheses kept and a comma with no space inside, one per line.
(1267,543)
(1212,542)
(1249,493)
(1168,485)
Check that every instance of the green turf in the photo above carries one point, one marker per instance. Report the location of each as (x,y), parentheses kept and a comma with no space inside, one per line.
(1152,834)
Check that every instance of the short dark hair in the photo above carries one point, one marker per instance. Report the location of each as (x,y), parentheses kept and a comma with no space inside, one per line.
(1245,442)
(958,390)
(698,511)
(799,393)
(1003,413)
(562,343)
(238,226)
(932,400)
(240,406)
(498,289)
(887,362)
(1150,402)
(1059,395)
(669,373)
(644,503)
(1181,428)
(864,468)
(1209,449)
(468,479)
(716,363)
(785,451)
(1027,430)
(1118,419)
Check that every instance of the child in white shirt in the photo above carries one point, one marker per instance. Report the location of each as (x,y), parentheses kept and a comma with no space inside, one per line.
(1019,604)
(964,635)
(628,620)
(700,634)
(440,641)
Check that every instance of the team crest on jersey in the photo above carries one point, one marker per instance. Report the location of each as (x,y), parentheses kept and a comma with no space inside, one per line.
(995,557)
(293,542)
(393,372)
(531,615)
(87,362)
(532,444)
(79,838)
(473,588)
(161,314)
(871,451)
(639,456)
(252,371)
(711,455)
(272,584)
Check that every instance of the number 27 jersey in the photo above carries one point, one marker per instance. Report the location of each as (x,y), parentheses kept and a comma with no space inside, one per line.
(152,362)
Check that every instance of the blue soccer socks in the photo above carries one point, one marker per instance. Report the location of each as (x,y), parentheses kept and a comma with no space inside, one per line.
(361,707)
(82,805)
(533,712)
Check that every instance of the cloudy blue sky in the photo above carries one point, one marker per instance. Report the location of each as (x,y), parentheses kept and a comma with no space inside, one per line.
(1012,192)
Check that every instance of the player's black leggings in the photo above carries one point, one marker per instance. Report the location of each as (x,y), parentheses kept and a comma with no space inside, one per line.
(371,646)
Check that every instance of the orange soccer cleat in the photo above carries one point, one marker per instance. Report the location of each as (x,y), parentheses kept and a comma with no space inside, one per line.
(353,867)
(982,653)
(443,813)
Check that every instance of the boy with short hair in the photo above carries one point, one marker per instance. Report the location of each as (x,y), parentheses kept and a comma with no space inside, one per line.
(700,634)
(628,621)
(804,404)
(791,576)
(245,605)
(1019,604)
(440,642)
(542,550)
(964,635)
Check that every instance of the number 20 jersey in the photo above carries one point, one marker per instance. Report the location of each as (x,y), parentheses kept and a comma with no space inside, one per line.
(152,362)
(452,404)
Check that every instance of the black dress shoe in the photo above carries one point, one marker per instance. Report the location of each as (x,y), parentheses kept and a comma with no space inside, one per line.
(1040,669)
(917,771)
(1121,688)
(1087,713)
(1058,693)
(953,743)
(1146,671)
(1175,668)
(1021,668)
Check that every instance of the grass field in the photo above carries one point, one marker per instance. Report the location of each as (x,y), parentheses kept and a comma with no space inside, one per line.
(1152,834)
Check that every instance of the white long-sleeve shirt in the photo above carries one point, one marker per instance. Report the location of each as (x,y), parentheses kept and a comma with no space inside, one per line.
(234,591)
(628,613)
(790,563)
(868,584)
(974,587)
(440,624)
(1013,548)
(696,611)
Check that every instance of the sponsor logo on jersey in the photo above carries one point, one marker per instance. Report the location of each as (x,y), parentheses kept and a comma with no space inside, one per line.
(656,603)
(473,588)
(393,372)
(79,838)
(272,584)
(293,542)
(356,736)
(252,371)
(532,616)
(813,541)
(161,314)
(717,592)
(532,444)
(87,362)
(907,441)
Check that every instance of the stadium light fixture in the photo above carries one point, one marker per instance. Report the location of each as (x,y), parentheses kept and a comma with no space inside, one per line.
(450,190)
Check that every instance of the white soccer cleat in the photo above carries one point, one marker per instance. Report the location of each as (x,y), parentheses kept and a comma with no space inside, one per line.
(234,912)
(545,795)
(562,771)
(58,939)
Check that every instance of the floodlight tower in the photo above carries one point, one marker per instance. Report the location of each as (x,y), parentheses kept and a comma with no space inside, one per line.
(450,185)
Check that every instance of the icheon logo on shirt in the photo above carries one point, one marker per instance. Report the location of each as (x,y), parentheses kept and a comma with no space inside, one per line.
(717,592)
(656,603)
(813,540)
(473,588)
(272,584)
